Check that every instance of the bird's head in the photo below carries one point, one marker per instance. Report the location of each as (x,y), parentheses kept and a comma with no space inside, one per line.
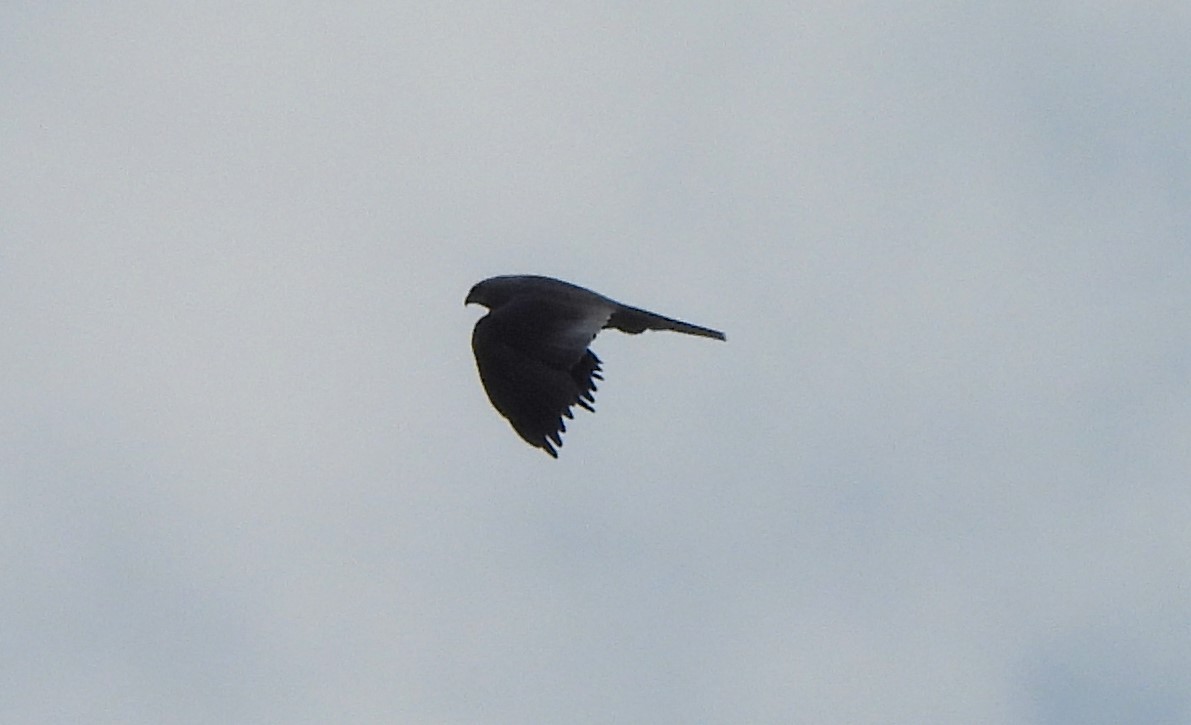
(493,292)
(476,295)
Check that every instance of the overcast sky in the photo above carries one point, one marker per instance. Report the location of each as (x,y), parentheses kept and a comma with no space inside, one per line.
(939,473)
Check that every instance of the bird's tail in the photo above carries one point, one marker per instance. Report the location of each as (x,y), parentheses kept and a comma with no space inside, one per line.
(633,320)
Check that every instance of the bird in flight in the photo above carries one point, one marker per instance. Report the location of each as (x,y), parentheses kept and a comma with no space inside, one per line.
(531,349)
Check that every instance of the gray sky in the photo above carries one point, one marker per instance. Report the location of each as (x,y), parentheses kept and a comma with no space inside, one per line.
(938,474)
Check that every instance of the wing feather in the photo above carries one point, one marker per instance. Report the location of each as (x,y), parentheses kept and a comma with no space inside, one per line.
(535,366)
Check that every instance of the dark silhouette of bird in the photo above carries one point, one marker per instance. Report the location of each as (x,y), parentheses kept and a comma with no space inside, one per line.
(531,349)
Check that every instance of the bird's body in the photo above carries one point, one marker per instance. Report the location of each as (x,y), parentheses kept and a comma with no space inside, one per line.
(531,348)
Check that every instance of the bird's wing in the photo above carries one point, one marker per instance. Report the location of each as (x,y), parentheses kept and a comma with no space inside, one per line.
(533,360)
(634,320)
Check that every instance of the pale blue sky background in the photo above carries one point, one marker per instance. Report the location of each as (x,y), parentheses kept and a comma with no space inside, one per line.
(938,474)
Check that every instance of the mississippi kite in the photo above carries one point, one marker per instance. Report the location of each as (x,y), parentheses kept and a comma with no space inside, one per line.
(531,349)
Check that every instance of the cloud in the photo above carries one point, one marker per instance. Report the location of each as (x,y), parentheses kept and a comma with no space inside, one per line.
(937,473)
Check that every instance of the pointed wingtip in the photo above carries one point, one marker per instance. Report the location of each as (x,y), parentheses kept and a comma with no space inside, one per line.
(704,332)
